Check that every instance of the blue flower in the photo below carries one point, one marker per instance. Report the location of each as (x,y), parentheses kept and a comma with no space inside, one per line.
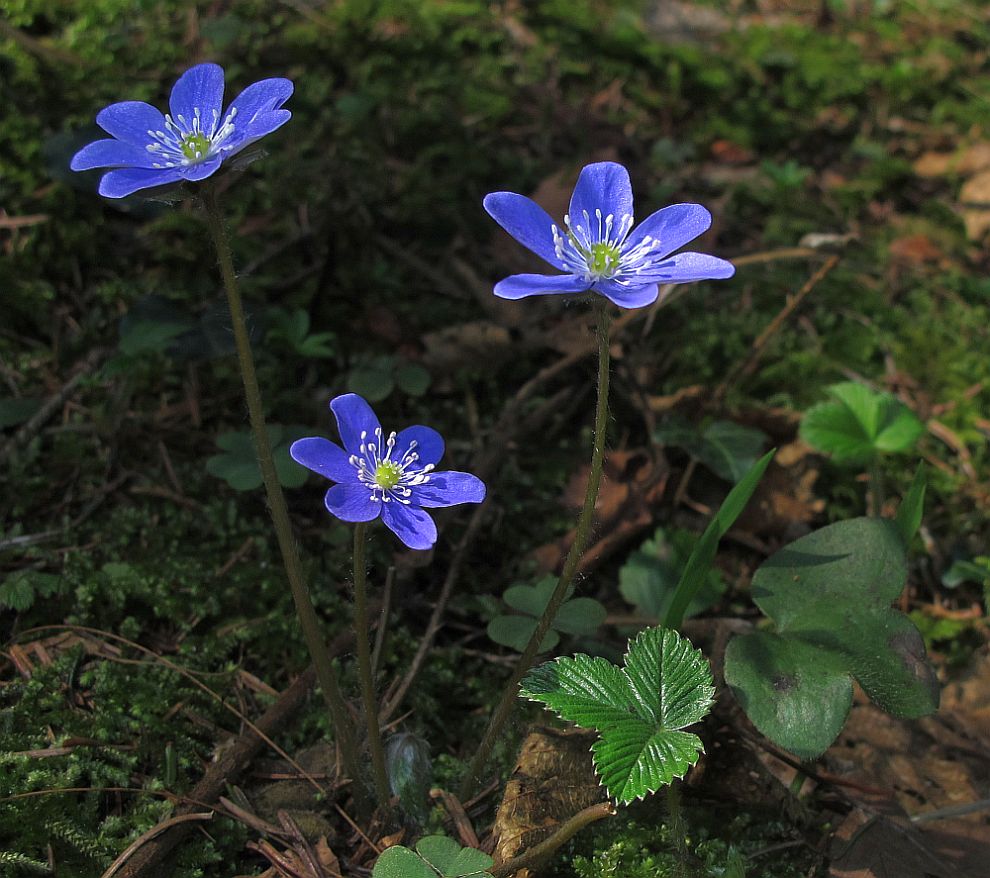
(390,476)
(188,143)
(597,247)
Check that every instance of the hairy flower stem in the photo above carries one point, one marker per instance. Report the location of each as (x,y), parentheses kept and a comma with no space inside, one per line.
(511,692)
(364,665)
(325,673)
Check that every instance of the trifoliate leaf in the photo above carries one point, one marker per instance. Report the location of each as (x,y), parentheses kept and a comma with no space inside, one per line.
(639,710)
(435,855)
(859,424)
(575,616)
(237,464)
(830,595)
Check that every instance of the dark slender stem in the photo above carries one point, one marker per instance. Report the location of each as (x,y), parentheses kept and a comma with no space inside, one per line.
(545,848)
(876,489)
(325,673)
(508,700)
(364,665)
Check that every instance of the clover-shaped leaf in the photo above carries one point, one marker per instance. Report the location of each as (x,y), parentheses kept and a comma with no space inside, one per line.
(434,855)
(640,710)
(237,464)
(860,424)
(728,449)
(650,575)
(575,616)
(830,595)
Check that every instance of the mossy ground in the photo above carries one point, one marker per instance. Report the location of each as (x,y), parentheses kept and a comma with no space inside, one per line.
(406,113)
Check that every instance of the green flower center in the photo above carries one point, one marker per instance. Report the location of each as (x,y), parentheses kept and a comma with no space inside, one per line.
(603,259)
(195,147)
(387,475)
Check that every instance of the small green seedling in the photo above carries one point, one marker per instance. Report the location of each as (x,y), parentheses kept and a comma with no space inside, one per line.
(237,464)
(580,616)
(435,855)
(650,575)
(639,710)
(376,378)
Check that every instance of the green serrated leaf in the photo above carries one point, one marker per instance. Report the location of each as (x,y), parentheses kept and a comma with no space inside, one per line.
(912,507)
(639,710)
(829,594)
(858,424)
(17,593)
(700,562)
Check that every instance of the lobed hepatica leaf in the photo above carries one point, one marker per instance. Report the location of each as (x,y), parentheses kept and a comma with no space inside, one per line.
(830,595)
(640,710)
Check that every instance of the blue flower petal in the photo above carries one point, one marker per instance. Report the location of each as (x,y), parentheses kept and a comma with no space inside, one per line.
(626,296)
(429,445)
(324,457)
(117,184)
(688,267)
(111,153)
(260,99)
(411,525)
(352,503)
(131,121)
(199,88)
(603,186)
(257,129)
(519,286)
(201,170)
(449,489)
(354,416)
(672,226)
(526,221)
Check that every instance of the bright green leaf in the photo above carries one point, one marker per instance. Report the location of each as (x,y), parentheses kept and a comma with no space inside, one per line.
(859,423)
(639,710)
